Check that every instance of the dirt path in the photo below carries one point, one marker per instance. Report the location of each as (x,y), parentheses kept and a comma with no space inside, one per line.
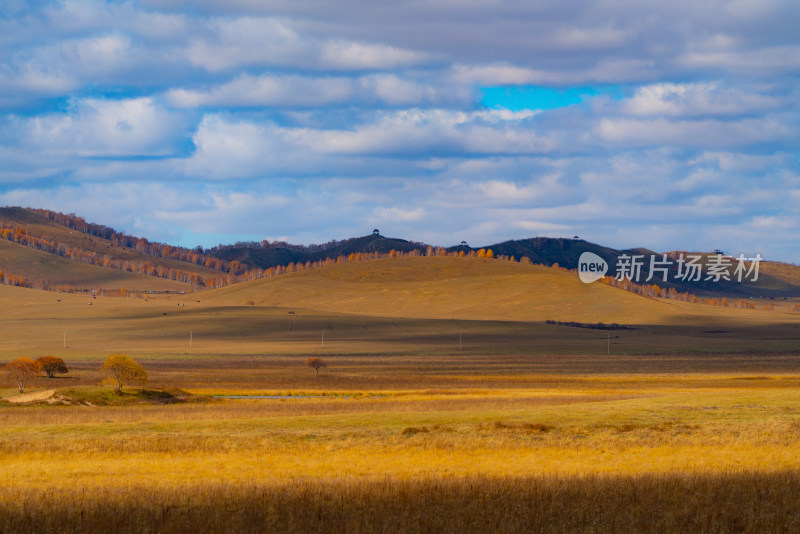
(34,396)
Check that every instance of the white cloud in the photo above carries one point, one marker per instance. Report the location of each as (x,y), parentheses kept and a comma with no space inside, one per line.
(746,163)
(270,90)
(363,56)
(709,133)
(245,41)
(99,127)
(697,99)
(231,150)
(603,71)
(267,90)
(332,114)
(231,43)
(768,59)
(394,214)
(498,74)
(590,38)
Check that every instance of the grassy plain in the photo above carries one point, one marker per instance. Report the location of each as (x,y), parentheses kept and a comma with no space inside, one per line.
(687,421)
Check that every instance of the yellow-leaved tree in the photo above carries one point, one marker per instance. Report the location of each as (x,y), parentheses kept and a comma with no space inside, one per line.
(22,371)
(124,370)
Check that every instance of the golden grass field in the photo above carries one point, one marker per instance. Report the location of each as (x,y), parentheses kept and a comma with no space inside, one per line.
(689,421)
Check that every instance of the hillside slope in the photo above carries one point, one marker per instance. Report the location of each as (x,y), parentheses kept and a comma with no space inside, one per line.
(37,265)
(776,280)
(465,288)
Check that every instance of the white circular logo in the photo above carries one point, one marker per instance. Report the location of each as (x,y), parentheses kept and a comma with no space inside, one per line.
(591,267)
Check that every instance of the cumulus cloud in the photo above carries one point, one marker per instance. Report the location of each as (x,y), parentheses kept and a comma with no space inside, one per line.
(266,41)
(101,127)
(697,99)
(363,56)
(290,91)
(267,90)
(709,133)
(309,120)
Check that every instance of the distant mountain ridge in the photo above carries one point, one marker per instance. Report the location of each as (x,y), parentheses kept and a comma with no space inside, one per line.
(272,254)
(776,280)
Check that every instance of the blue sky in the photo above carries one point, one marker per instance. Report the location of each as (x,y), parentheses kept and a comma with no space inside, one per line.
(663,125)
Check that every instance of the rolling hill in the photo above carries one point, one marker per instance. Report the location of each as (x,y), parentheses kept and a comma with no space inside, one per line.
(39,267)
(265,255)
(61,256)
(464,288)
(49,249)
(776,280)
(402,306)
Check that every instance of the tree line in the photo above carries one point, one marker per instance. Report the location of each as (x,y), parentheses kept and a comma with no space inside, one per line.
(235,272)
(21,236)
(138,244)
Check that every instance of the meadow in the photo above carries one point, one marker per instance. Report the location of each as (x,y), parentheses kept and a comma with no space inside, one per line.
(435,419)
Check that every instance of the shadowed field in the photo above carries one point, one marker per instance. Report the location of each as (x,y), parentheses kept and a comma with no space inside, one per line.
(409,306)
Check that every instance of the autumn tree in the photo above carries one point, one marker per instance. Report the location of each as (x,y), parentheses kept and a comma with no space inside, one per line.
(124,370)
(22,371)
(52,366)
(316,364)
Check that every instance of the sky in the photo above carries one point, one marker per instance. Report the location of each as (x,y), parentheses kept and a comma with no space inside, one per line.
(667,125)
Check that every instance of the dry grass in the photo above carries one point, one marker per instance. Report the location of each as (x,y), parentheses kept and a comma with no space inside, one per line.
(36,265)
(740,502)
(469,288)
(593,453)
(527,427)
(700,460)
(34,323)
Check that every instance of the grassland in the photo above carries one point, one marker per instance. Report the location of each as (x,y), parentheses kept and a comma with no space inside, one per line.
(687,421)
(593,452)
(474,289)
(35,265)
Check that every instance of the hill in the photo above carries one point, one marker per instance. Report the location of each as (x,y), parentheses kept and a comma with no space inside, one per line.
(264,255)
(776,280)
(462,288)
(46,253)
(42,270)
(49,249)
(401,306)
